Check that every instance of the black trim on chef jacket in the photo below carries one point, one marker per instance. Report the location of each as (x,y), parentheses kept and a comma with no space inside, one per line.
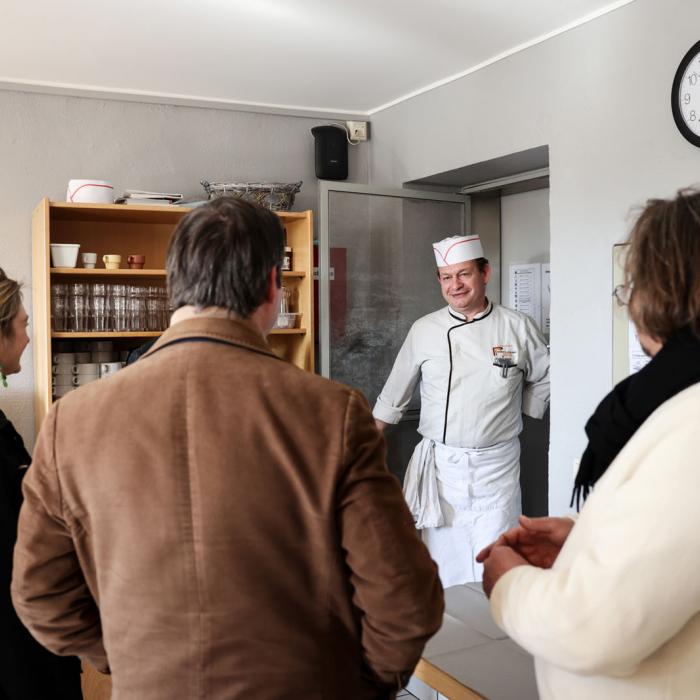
(449,345)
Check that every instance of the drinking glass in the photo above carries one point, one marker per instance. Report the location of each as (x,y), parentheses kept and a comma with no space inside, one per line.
(77,308)
(153,314)
(59,307)
(136,308)
(165,310)
(118,307)
(98,307)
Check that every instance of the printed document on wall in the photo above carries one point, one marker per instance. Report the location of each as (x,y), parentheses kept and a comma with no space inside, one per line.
(525,290)
(546,298)
(637,357)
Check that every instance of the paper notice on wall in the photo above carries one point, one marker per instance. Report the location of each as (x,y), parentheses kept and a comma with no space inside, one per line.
(546,298)
(637,357)
(525,290)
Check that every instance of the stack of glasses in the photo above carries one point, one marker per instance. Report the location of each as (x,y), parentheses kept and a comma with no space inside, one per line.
(81,307)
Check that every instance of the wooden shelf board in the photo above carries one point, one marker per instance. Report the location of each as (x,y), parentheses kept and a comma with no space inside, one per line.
(293,273)
(95,335)
(288,331)
(101,272)
(292,215)
(69,211)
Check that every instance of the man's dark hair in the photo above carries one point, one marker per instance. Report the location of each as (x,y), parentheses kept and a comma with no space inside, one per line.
(481,264)
(222,253)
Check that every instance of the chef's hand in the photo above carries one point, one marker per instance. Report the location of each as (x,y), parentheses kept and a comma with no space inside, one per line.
(499,561)
(538,540)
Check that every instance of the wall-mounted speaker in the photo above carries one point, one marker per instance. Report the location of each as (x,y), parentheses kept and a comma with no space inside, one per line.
(331,152)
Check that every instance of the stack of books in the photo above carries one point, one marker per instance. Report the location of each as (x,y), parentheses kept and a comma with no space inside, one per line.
(144,197)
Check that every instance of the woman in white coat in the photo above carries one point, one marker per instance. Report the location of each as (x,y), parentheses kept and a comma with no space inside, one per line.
(610,606)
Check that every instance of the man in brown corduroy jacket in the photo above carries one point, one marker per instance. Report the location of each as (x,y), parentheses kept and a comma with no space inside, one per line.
(213,522)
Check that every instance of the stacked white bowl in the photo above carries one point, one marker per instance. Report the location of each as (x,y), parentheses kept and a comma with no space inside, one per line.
(71,370)
(85,372)
(62,370)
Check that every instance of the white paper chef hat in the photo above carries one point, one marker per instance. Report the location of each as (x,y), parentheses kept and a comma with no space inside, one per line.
(457,249)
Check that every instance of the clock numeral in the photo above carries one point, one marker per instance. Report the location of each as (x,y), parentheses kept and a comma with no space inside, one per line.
(693,116)
(686,98)
(693,79)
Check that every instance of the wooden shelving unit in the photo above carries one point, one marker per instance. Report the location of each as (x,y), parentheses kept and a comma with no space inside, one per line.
(101,272)
(103,335)
(143,230)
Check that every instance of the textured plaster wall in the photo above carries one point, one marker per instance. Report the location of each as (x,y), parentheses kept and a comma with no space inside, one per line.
(45,140)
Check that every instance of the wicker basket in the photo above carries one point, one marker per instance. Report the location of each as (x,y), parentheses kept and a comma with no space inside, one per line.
(277,196)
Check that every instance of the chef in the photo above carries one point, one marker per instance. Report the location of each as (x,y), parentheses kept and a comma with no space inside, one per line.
(480,366)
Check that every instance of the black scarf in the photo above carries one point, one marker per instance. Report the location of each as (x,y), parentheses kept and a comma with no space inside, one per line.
(618,416)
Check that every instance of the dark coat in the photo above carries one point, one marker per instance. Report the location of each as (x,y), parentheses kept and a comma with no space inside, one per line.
(27,670)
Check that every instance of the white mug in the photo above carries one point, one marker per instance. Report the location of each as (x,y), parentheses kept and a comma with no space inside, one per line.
(89,260)
(62,369)
(87,368)
(64,358)
(82,379)
(62,380)
(59,391)
(112,261)
(107,368)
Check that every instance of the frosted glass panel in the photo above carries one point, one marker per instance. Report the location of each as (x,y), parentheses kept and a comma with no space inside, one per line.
(383,278)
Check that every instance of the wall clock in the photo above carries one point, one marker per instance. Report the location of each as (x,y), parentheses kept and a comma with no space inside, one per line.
(685,96)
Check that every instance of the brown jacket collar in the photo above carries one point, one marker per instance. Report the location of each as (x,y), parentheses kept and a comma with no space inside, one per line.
(239,332)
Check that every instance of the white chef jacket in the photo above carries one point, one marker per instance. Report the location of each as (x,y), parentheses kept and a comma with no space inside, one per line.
(465,400)
(462,483)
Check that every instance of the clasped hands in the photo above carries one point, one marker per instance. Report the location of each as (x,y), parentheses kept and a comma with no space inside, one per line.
(535,542)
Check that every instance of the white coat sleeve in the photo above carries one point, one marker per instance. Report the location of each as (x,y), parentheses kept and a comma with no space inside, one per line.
(536,389)
(398,390)
(633,583)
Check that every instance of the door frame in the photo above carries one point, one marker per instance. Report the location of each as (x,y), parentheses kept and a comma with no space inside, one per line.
(326,187)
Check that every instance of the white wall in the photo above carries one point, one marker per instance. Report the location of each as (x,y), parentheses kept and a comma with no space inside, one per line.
(524,232)
(599,96)
(46,139)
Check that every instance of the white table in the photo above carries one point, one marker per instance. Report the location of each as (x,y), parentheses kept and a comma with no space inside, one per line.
(471,658)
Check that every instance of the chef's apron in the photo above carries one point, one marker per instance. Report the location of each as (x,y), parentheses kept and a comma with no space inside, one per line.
(462,499)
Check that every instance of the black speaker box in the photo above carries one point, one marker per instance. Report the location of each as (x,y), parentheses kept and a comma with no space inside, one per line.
(331,152)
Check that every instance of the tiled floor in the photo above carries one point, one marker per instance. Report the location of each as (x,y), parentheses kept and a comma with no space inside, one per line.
(471,649)
(405,695)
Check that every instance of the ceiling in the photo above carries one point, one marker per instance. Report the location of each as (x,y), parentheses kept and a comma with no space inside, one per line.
(349,57)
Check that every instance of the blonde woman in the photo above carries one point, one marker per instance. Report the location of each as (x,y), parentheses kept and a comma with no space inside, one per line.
(27,670)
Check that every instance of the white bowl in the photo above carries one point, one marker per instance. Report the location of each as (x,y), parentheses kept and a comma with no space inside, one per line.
(64,254)
(86,368)
(64,358)
(90,191)
(60,380)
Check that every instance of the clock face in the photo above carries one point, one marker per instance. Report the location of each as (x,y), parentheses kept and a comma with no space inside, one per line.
(685,97)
